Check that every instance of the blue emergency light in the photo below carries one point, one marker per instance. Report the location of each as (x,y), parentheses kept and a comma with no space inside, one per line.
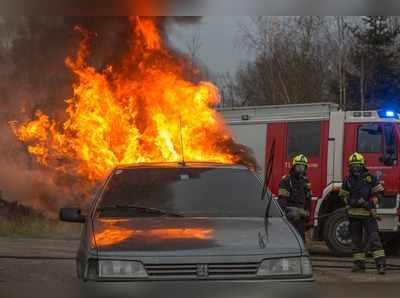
(388,114)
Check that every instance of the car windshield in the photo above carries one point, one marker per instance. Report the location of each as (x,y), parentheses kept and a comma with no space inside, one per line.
(202,192)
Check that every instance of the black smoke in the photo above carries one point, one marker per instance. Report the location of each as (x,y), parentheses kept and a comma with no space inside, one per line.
(33,76)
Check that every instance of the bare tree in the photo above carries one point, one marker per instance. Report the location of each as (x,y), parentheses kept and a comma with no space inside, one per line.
(339,44)
(227,88)
(292,63)
(193,47)
(298,59)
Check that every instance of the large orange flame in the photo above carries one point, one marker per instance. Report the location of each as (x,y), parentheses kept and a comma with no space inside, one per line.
(140,111)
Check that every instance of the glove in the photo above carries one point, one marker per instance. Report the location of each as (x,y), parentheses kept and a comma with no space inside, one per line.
(375,201)
(374,214)
(304,213)
(363,203)
(293,213)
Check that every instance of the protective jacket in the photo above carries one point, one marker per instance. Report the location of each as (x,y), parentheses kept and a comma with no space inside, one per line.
(295,192)
(357,192)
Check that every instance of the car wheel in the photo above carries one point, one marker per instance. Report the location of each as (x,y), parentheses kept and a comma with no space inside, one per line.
(337,234)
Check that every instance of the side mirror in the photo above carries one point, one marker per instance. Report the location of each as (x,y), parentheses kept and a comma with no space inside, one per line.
(71,215)
(387,160)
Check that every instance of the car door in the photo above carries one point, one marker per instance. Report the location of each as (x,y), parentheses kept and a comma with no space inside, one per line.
(377,142)
(303,137)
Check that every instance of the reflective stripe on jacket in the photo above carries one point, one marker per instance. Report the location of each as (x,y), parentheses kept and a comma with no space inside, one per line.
(364,187)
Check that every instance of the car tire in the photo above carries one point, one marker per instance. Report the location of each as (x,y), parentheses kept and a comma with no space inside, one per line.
(337,235)
(391,245)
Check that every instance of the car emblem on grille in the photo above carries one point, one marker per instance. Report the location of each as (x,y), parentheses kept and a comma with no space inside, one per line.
(202,270)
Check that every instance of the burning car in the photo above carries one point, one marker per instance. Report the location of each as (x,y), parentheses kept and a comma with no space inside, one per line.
(186,221)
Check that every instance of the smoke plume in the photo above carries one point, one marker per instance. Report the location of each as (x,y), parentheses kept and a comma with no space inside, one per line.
(35,77)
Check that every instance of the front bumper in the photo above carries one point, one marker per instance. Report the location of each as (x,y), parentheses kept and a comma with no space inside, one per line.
(260,280)
(193,289)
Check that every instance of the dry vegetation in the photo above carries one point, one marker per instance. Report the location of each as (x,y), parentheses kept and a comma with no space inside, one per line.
(19,221)
(37,226)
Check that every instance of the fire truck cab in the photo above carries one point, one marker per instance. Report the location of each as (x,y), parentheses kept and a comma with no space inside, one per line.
(327,136)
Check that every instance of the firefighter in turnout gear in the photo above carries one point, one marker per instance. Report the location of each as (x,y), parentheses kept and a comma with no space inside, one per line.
(361,192)
(295,194)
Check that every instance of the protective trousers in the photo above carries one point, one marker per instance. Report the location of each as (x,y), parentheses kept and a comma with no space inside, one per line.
(371,242)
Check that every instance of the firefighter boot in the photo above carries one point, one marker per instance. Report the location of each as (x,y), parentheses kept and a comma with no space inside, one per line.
(358,266)
(380,261)
(381,265)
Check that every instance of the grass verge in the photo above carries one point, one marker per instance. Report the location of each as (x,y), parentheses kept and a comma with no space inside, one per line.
(37,226)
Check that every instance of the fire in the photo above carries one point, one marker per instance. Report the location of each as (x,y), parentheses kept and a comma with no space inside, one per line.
(143,110)
(151,36)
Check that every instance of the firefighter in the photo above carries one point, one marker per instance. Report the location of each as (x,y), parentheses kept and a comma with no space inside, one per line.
(361,192)
(295,194)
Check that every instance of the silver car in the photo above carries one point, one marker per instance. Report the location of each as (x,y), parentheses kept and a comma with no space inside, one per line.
(193,221)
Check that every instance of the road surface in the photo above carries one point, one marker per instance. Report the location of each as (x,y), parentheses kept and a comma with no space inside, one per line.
(32,259)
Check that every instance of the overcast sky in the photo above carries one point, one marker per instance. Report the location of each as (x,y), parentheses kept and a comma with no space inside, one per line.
(219,37)
(219,41)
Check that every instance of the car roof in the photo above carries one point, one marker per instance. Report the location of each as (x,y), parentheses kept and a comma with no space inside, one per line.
(182,165)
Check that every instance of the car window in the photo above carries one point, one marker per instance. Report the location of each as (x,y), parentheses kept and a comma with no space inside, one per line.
(218,192)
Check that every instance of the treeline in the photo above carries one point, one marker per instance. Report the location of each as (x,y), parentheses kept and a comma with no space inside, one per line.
(353,61)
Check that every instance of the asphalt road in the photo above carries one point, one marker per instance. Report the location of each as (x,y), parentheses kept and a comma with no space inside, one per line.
(32,259)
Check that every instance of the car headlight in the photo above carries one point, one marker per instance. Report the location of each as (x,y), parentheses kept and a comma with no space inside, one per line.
(285,266)
(121,269)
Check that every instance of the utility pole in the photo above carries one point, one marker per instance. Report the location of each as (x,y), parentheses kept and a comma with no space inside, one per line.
(340,32)
(362,83)
(341,29)
(344,91)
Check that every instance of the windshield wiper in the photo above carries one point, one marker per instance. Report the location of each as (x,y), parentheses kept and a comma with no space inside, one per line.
(268,175)
(142,208)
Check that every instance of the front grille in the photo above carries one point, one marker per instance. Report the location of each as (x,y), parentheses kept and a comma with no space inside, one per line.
(172,270)
(196,271)
(233,270)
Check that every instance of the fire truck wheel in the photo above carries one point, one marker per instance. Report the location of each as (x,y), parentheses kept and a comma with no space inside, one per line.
(391,243)
(337,234)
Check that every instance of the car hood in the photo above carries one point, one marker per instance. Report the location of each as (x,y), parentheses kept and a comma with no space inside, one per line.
(167,236)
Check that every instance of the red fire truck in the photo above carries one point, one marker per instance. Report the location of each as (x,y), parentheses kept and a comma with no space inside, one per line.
(327,136)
